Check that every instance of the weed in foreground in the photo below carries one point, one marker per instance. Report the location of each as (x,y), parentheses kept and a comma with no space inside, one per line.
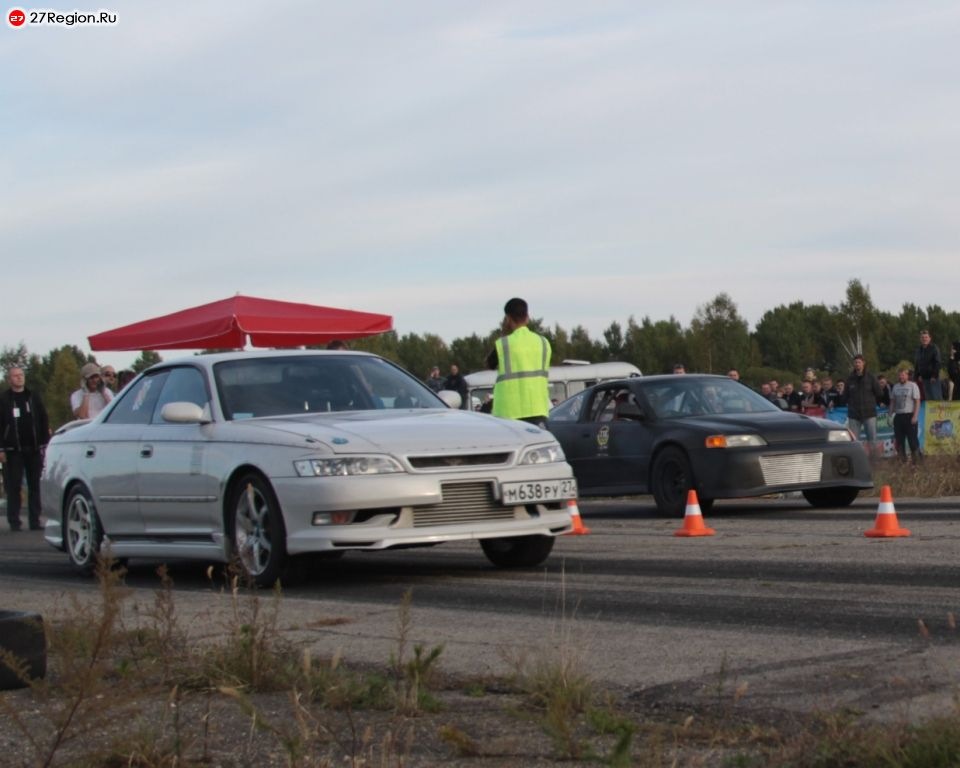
(412,676)
(250,653)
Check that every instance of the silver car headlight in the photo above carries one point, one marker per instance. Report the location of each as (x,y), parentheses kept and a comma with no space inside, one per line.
(734,441)
(839,436)
(542,454)
(347,465)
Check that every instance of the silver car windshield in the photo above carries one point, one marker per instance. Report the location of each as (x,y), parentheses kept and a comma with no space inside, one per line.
(277,386)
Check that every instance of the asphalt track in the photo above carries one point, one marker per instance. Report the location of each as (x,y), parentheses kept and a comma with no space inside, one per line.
(793,604)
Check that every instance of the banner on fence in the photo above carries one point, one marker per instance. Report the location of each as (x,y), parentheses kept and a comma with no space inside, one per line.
(940,427)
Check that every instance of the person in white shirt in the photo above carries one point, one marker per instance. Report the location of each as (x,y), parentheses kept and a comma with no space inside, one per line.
(93,395)
(905,406)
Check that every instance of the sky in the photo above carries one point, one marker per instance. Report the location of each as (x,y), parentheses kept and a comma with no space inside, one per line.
(430,160)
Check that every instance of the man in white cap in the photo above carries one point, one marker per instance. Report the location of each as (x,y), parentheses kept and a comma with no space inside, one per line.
(93,395)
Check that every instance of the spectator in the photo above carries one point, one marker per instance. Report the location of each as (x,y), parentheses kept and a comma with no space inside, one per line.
(927,367)
(25,432)
(791,396)
(458,384)
(841,393)
(679,368)
(433,380)
(863,393)
(767,391)
(522,360)
(884,391)
(818,391)
(93,395)
(830,393)
(811,401)
(734,374)
(337,344)
(125,377)
(109,375)
(905,406)
(953,371)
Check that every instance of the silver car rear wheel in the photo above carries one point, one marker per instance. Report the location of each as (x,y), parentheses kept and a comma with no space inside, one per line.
(259,536)
(82,530)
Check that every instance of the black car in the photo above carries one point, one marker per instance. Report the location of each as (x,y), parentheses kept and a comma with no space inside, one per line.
(667,434)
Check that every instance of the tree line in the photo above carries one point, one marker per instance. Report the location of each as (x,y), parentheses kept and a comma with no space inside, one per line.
(787,340)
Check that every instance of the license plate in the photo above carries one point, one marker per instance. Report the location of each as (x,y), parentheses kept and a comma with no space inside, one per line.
(538,490)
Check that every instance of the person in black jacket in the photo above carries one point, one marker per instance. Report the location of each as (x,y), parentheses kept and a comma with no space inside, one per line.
(863,394)
(953,371)
(927,367)
(25,432)
(457,383)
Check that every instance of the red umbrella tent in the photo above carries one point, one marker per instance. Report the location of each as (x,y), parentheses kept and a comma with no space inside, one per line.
(231,323)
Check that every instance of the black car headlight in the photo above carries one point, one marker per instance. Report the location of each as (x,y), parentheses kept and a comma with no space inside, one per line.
(734,441)
(839,436)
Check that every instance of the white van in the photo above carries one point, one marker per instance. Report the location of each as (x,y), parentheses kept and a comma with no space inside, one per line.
(565,380)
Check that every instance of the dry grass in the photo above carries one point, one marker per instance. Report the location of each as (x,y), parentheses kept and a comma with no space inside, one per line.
(934,477)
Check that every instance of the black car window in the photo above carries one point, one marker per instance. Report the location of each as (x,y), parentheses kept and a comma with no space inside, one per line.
(137,401)
(603,404)
(183,385)
(569,410)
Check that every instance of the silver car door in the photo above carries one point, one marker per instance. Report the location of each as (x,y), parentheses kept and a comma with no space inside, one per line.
(178,496)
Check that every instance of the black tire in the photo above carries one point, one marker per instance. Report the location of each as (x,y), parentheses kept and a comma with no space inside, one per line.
(82,532)
(258,536)
(517,551)
(831,497)
(23,637)
(671,479)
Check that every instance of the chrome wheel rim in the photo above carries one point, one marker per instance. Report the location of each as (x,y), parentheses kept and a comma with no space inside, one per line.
(252,520)
(80,529)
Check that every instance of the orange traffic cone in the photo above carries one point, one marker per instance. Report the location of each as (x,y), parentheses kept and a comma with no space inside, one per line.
(579,529)
(693,519)
(886,525)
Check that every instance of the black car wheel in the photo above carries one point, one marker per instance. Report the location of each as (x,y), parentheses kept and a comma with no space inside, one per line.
(257,533)
(670,481)
(831,497)
(22,640)
(517,551)
(82,531)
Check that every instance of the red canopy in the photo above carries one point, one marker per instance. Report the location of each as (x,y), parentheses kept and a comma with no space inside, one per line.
(230,323)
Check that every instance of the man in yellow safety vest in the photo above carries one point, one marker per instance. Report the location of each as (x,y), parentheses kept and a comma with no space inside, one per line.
(522,360)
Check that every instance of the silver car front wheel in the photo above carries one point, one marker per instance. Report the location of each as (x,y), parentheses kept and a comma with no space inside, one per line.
(258,533)
(82,529)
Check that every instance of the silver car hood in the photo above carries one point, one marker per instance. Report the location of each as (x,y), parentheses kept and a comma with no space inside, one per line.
(407,432)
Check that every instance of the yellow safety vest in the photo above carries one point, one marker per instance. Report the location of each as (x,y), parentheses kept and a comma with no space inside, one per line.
(523,360)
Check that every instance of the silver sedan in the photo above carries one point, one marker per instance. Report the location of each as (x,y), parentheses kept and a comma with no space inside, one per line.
(258,457)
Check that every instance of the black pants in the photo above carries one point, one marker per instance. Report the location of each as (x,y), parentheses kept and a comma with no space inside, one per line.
(18,464)
(905,431)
